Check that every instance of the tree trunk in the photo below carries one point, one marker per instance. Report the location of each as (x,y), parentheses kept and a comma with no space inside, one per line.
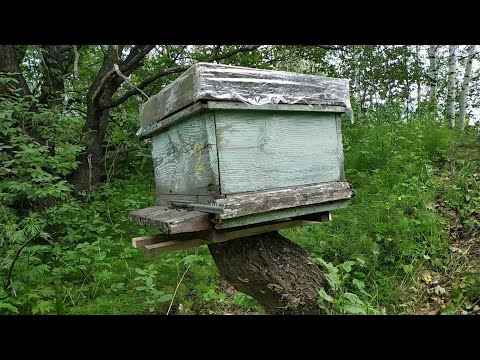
(465,88)
(275,271)
(432,73)
(9,63)
(419,89)
(452,70)
(91,169)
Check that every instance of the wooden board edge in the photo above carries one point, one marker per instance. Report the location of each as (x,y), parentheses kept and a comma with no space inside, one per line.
(172,245)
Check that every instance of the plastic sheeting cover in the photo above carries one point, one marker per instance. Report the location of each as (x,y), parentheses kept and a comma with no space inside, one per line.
(206,81)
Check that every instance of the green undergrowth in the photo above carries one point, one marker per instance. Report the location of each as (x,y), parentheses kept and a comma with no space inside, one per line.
(75,255)
(382,245)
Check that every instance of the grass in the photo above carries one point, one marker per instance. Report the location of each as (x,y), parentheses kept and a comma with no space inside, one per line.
(391,247)
(390,226)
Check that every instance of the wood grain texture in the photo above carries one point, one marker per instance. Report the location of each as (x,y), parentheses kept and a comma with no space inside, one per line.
(263,201)
(338,120)
(171,221)
(268,150)
(182,158)
(173,97)
(154,127)
(280,214)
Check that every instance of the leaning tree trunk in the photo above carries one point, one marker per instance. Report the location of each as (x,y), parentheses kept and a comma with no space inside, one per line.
(465,88)
(452,69)
(275,271)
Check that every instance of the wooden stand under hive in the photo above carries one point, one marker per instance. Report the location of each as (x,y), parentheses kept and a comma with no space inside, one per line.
(240,151)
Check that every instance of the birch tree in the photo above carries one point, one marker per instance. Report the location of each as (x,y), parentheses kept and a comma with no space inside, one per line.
(465,88)
(432,73)
(452,69)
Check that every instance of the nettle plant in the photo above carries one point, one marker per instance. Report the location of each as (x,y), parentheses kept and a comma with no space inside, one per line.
(344,284)
(36,152)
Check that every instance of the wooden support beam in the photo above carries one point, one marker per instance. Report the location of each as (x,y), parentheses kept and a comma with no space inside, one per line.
(172,245)
(163,243)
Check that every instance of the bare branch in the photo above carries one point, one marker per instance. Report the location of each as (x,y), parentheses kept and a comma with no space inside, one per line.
(144,83)
(135,56)
(174,70)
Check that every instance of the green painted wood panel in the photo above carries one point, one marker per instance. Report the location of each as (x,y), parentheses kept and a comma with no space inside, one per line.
(280,214)
(261,150)
(185,157)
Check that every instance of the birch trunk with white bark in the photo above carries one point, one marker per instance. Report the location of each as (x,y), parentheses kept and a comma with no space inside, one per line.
(432,73)
(452,70)
(465,87)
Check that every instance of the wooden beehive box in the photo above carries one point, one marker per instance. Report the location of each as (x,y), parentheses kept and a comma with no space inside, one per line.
(262,145)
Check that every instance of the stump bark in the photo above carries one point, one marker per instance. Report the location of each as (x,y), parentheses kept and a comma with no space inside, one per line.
(278,273)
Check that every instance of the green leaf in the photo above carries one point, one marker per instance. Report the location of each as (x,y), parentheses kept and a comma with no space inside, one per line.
(407,268)
(324,296)
(347,266)
(8,307)
(165,298)
(360,285)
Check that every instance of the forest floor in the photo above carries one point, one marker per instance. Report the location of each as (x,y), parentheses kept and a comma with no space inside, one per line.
(407,243)
(440,291)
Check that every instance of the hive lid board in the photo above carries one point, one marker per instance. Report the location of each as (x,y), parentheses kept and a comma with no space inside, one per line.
(206,81)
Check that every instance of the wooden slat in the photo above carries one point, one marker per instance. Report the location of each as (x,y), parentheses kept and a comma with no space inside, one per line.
(171,221)
(265,201)
(153,127)
(260,150)
(280,214)
(141,241)
(163,243)
(172,245)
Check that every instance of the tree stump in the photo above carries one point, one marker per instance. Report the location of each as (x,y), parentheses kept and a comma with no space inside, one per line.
(278,273)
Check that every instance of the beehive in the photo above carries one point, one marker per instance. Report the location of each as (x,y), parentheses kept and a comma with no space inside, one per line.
(264,145)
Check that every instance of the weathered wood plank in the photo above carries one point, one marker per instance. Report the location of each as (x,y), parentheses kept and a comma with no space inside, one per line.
(141,241)
(269,200)
(231,105)
(211,129)
(279,214)
(162,243)
(338,120)
(267,150)
(172,245)
(171,221)
(173,97)
(147,130)
(182,158)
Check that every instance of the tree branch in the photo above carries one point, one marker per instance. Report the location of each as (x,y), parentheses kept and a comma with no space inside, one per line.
(174,70)
(135,56)
(215,57)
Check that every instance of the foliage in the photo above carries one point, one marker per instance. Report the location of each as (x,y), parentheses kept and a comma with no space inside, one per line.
(69,252)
